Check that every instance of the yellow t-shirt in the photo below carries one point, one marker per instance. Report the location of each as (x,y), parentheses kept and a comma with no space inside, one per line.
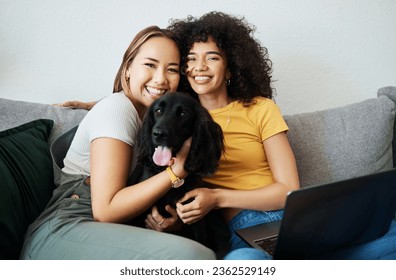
(244,164)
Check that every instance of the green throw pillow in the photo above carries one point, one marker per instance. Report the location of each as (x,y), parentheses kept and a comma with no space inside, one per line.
(26,181)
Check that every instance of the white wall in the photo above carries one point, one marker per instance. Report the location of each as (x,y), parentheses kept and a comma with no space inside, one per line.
(325,53)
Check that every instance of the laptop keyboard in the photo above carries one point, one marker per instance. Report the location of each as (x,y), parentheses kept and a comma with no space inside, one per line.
(268,244)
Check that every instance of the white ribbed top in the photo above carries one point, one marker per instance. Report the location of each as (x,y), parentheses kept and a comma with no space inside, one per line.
(113,117)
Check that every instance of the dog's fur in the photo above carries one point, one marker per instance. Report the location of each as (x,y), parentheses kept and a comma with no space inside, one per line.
(169,121)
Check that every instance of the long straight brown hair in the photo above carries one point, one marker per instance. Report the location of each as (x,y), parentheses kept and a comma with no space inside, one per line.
(120,82)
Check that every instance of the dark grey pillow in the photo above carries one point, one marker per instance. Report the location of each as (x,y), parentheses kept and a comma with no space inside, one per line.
(14,113)
(343,142)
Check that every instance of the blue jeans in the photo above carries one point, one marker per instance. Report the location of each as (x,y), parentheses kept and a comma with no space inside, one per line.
(240,250)
(381,248)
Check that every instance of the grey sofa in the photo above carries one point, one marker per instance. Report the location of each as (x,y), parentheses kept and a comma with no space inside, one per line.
(329,145)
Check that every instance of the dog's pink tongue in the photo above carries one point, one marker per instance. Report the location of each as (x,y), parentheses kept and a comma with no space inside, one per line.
(162,155)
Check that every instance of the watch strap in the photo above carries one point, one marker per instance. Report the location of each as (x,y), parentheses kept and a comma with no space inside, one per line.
(176,181)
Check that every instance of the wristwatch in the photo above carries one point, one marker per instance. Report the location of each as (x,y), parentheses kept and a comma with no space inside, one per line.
(176,181)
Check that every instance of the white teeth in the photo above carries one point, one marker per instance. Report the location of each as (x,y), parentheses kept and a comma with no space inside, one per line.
(155,91)
(201,78)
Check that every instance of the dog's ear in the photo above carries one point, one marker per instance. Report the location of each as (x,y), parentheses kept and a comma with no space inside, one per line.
(206,147)
(144,147)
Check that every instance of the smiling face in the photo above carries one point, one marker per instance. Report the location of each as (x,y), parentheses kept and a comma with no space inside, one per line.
(154,71)
(206,69)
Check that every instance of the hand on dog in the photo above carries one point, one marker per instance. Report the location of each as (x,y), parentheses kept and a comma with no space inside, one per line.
(76,105)
(157,222)
(203,201)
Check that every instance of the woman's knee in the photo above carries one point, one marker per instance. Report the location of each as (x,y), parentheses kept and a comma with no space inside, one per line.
(247,254)
(190,250)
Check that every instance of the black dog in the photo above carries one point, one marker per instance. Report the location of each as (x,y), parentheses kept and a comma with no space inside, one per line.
(168,122)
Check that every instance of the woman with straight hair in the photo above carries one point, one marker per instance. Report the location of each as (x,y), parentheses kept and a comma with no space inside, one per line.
(87,215)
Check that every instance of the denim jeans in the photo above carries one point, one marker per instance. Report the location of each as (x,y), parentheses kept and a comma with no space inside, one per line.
(240,250)
(382,248)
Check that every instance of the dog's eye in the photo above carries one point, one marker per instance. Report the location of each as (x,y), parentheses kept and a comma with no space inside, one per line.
(183,114)
(158,112)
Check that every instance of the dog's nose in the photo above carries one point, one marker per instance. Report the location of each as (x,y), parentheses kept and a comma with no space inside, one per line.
(159,135)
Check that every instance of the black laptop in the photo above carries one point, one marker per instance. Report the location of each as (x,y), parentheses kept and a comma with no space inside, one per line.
(323,218)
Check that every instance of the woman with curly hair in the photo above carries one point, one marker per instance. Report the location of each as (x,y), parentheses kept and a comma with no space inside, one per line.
(247,59)
(229,72)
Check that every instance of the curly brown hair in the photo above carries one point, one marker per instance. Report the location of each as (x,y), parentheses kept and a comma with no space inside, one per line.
(247,59)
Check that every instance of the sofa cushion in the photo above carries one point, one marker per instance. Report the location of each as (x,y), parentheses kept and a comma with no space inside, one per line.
(343,142)
(26,181)
(14,113)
